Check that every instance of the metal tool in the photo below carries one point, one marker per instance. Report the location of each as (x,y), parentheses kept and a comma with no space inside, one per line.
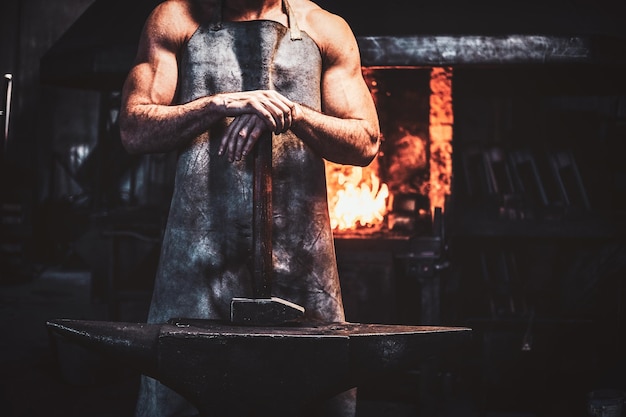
(5,113)
(263,309)
(229,370)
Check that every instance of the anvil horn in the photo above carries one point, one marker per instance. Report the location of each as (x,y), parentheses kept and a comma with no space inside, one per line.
(131,343)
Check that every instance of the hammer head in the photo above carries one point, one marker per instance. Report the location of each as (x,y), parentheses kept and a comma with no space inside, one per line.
(271,311)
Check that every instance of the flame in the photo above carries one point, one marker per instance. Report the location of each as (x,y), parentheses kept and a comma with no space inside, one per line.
(356,196)
(358,199)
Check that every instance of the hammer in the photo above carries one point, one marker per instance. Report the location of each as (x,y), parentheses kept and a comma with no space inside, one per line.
(263,309)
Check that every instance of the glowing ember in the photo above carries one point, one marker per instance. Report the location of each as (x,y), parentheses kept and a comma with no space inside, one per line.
(441,121)
(356,197)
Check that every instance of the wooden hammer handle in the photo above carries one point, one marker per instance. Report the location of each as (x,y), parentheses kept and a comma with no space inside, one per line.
(262,218)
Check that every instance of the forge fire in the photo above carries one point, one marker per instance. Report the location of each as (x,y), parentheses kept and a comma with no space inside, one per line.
(415,161)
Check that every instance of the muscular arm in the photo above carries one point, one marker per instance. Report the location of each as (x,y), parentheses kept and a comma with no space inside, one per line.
(347,130)
(149,122)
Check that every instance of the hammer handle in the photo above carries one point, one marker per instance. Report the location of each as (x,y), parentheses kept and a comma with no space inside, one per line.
(262,217)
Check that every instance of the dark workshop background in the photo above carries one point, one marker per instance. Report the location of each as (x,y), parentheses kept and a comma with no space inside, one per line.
(533,257)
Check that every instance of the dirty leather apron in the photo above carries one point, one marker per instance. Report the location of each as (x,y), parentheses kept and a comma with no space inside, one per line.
(206,253)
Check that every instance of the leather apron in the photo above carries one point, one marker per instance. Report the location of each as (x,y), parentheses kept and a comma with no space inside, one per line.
(206,253)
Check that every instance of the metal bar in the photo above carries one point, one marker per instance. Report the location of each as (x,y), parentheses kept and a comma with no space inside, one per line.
(6,112)
(413,50)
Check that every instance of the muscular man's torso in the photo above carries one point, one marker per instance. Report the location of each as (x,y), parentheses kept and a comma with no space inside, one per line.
(205,259)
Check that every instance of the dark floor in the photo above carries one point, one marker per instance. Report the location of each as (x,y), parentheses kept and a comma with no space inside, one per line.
(37,381)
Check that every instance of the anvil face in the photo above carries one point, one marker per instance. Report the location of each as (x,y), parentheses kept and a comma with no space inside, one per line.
(260,371)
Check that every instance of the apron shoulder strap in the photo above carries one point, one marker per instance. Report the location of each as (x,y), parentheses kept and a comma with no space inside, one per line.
(216,18)
(294,29)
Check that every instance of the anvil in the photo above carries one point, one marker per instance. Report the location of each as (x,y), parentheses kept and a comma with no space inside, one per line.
(230,370)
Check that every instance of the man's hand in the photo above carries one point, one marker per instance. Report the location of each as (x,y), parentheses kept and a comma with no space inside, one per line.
(241,135)
(254,112)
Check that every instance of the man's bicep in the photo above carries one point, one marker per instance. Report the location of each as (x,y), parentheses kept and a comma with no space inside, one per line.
(153,81)
(346,95)
(344,91)
(153,78)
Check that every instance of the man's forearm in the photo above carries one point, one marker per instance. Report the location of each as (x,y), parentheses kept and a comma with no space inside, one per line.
(343,141)
(150,128)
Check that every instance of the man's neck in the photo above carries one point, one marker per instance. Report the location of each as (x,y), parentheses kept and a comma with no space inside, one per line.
(252,9)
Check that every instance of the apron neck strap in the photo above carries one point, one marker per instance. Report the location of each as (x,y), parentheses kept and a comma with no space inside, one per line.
(294,29)
(216,18)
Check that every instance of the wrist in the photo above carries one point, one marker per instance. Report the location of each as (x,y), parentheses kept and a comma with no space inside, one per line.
(297,114)
(218,105)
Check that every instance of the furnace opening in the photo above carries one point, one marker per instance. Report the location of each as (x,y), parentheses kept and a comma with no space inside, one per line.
(400,189)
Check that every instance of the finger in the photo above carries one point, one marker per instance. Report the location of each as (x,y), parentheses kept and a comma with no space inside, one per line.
(268,113)
(246,136)
(281,113)
(257,130)
(289,117)
(231,136)
(225,137)
(287,107)
(224,140)
(239,137)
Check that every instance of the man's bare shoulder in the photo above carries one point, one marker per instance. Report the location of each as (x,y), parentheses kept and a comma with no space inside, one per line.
(327,29)
(319,23)
(178,19)
(170,10)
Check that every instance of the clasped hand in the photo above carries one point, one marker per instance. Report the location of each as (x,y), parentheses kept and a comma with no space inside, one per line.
(254,113)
